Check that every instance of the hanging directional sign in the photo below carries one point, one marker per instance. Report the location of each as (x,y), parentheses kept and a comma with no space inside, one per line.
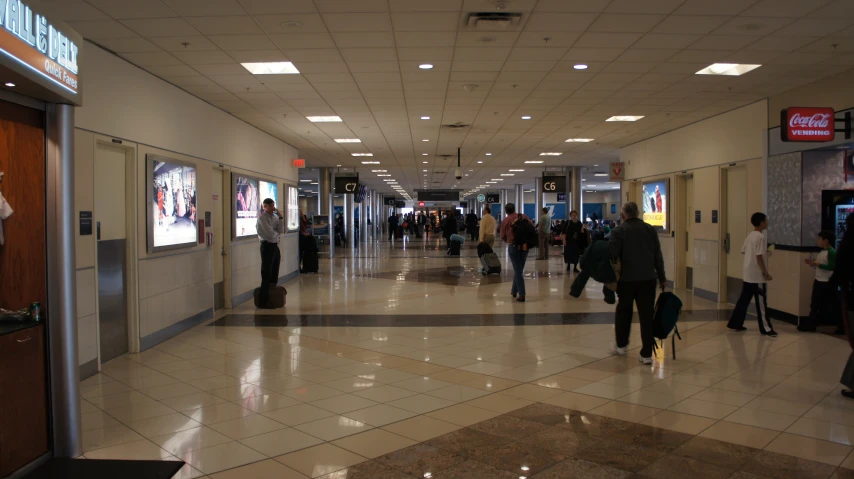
(347,184)
(554,184)
(617,172)
(493,198)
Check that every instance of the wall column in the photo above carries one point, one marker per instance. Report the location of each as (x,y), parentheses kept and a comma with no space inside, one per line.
(570,192)
(576,191)
(519,195)
(350,220)
(330,200)
(538,195)
(324,187)
(363,219)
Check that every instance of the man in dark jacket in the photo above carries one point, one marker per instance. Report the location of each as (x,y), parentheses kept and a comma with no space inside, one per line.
(449,227)
(596,264)
(471,225)
(392,226)
(636,246)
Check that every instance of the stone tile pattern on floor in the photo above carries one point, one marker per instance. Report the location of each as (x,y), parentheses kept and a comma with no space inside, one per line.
(535,401)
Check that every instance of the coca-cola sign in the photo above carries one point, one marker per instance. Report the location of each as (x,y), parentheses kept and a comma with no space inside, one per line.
(813,124)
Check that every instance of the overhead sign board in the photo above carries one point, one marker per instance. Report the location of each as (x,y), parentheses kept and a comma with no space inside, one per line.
(299,163)
(617,171)
(345,184)
(388,200)
(493,198)
(561,197)
(807,124)
(39,49)
(439,195)
(554,184)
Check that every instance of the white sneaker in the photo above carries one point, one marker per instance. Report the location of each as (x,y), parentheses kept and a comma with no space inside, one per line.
(619,351)
(645,360)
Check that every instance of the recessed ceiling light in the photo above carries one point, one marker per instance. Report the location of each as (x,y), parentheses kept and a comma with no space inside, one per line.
(489,154)
(362,154)
(425,162)
(615,187)
(383,175)
(535,162)
(591,186)
(425,139)
(498,179)
(550,153)
(595,165)
(580,66)
(526,117)
(323,119)
(339,166)
(517,170)
(423,154)
(508,174)
(425,117)
(583,179)
(347,140)
(425,66)
(314,183)
(490,182)
(379,171)
(10,84)
(579,140)
(601,174)
(305,181)
(271,68)
(624,118)
(370,162)
(425,170)
(727,69)
(480,162)
(590,191)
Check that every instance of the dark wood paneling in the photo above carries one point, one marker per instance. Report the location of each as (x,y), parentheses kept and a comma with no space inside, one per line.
(23,265)
(23,399)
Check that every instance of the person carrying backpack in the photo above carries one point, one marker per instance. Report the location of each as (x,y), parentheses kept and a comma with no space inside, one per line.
(518,232)
(596,264)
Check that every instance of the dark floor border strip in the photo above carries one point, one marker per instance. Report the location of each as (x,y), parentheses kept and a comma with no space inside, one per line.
(706,294)
(89,369)
(784,316)
(441,320)
(170,332)
(246,296)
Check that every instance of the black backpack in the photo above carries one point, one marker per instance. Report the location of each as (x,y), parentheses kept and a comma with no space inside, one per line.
(524,234)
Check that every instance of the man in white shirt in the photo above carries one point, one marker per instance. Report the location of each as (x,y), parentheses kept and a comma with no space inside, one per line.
(270,225)
(756,278)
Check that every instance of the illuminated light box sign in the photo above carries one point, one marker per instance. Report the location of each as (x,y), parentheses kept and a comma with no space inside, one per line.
(32,42)
(807,124)
(655,205)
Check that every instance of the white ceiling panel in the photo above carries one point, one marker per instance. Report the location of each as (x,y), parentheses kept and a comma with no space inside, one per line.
(607,40)
(278,6)
(313,54)
(615,22)
(368,54)
(666,41)
(230,25)
(257,56)
(565,22)
(784,8)
(242,42)
(204,58)
(357,22)
(640,7)
(124,9)
(128,45)
(364,6)
(308,40)
(291,23)
(184,43)
(723,42)
(151,59)
(151,27)
(98,29)
(223,69)
(195,8)
(690,24)
(648,55)
(754,26)
(808,27)
(364,40)
(379,67)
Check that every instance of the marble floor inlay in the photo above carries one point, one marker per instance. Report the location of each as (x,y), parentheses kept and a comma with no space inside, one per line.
(398,362)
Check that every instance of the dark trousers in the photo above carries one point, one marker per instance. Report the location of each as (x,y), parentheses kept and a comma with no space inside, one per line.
(517,259)
(751,292)
(824,304)
(642,293)
(580,282)
(270,259)
(472,232)
(391,230)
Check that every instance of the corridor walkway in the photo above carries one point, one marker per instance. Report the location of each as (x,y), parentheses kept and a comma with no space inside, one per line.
(399,362)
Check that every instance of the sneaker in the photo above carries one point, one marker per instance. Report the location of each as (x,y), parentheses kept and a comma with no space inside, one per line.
(619,351)
(770,334)
(645,360)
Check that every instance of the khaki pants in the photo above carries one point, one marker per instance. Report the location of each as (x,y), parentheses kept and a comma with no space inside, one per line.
(489,239)
(544,247)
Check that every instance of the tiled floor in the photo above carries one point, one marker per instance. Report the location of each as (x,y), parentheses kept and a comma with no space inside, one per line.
(485,399)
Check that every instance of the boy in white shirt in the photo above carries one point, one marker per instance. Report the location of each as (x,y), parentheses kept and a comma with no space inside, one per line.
(756,278)
(825,297)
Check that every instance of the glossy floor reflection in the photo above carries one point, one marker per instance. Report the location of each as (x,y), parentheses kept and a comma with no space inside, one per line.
(367,375)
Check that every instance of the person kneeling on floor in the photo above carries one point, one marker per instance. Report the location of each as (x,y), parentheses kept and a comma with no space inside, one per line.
(596,264)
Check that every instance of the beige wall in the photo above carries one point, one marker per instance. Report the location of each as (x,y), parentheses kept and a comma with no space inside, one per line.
(834,92)
(733,136)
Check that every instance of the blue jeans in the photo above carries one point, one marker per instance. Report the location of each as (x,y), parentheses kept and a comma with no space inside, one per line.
(517,259)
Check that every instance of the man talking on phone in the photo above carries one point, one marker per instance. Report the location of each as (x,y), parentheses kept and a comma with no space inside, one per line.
(635,245)
(270,225)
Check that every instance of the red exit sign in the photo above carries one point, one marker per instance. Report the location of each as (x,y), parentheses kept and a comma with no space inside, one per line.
(299,163)
(807,124)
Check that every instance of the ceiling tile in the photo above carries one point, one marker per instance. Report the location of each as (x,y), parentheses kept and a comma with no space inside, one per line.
(307,40)
(423,39)
(692,24)
(783,8)
(487,39)
(379,67)
(153,27)
(560,22)
(723,42)
(368,54)
(421,55)
(574,6)
(172,70)
(322,67)
(221,70)
(364,40)
(607,40)
(278,6)
(806,27)
(427,21)
(204,58)
(128,45)
(184,43)
(743,25)
(646,6)
(348,6)
(256,56)
(201,8)
(123,9)
(242,42)
(313,54)
(536,54)
(231,25)
(151,59)
(529,66)
(547,39)
(664,40)
(646,55)
(357,22)
(781,44)
(97,29)
(74,10)
(611,22)
(422,6)
(308,23)
(481,54)
(591,55)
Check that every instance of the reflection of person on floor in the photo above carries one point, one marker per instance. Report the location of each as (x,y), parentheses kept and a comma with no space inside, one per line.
(596,264)
(270,224)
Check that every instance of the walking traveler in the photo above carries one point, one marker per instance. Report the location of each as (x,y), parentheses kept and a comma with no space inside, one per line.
(756,278)
(574,238)
(518,232)
(449,227)
(543,231)
(824,303)
(487,227)
(471,225)
(270,225)
(635,245)
(392,226)
(596,264)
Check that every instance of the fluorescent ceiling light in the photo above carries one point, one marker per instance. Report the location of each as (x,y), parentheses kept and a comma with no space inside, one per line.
(10,84)
(271,68)
(489,154)
(601,174)
(382,175)
(615,187)
(425,66)
(583,179)
(580,66)
(425,162)
(323,119)
(305,181)
(579,140)
(526,117)
(347,140)
(727,69)
(516,170)
(498,179)
(379,171)
(362,154)
(425,139)
(425,117)
(508,174)
(550,153)
(480,162)
(534,162)
(625,118)
(425,170)
(490,182)
(370,162)
(314,183)
(591,186)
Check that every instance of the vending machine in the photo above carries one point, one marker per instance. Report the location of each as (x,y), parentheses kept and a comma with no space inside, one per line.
(836,205)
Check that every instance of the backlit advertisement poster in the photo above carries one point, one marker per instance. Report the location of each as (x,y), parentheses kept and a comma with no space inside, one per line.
(655,204)
(292,221)
(247,205)
(172,204)
(841,216)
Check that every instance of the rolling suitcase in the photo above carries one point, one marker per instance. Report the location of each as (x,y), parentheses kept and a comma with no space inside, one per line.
(455,249)
(310,262)
(276,296)
(483,249)
(491,263)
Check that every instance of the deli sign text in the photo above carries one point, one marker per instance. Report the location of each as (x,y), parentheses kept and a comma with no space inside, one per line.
(807,124)
(31,40)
